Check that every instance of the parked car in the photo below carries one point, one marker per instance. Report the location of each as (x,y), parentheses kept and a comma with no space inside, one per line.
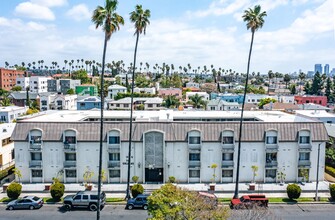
(88,199)
(249,201)
(27,202)
(139,202)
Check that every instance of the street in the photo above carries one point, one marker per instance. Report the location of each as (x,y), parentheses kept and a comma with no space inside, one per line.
(278,212)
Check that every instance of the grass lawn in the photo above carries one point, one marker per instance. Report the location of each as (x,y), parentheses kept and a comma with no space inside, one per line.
(5,200)
(283,200)
(115,200)
(51,200)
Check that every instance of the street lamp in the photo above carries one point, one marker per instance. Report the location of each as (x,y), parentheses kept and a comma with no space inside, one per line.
(317,174)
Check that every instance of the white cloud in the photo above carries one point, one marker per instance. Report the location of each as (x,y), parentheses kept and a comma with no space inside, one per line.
(79,12)
(50,3)
(34,11)
(36,26)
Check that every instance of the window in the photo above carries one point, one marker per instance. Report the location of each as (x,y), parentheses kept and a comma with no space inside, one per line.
(77,197)
(271,157)
(304,139)
(194,140)
(59,102)
(126,105)
(194,173)
(44,102)
(85,197)
(271,139)
(70,157)
(227,173)
(114,140)
(227,140)
(82,104)
(271,173)
(114,173)
(36,156)
(70,173)
(304,156)
(70,140)
(35,139)
(194,157)
(36,173)
(227,156)
(150,105)
(114,157)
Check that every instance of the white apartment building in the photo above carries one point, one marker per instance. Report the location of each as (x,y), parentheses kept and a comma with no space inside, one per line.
(125,103)
(183,144)
(146,90)
(36,84)
(52,101)
(113,90)
(7,145)
(256,98)
(10,113)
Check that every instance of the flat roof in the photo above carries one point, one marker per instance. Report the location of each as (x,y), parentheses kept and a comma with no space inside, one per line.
(315,113)
(162,115)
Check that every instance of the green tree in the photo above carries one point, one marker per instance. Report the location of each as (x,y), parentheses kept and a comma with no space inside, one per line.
(14,190)
(328,90)
(141,81)
(317,84)
(16,88)
(308,88)
(140,18)
(81,75)
(171,101)
(293,89)
(255,20)
(5,101)
(70,92)
(287,79)
(197,102)
(302,76)
(265,101)
(171,202)
(110,21)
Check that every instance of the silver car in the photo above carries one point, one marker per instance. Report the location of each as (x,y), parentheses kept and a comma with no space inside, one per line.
(27,202)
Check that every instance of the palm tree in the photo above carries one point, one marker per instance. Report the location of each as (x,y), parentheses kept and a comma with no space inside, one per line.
(110,21)
(302,76)
(255,20)
(140,18)
(197,101)
(171,102)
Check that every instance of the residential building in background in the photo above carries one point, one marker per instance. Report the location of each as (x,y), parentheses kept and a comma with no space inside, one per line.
(163,92)
(10,113)
(320,100)
(138,103)
(86,90)
(88,103)
(113,90)
(8,78)
(36,84)
(204,95)
(151,91)
(317,115)
(183,144)
(7,154)
(53,85)
(23,82)
(66,84)
(20,98)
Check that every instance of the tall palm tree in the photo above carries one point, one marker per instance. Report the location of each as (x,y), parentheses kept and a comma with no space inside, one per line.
(197,101)
(302,76)
(255,20)
(110,21)
(140,18)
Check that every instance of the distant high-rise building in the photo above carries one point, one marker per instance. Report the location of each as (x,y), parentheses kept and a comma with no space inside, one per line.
(332,73)
(318,68)
(326,69)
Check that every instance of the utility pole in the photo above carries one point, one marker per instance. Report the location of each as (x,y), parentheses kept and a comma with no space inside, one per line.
(317,175)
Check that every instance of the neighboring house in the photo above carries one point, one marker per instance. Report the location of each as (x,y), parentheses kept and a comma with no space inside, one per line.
(113,90)
(286,99)
(64,102)
(10,113)
(53,85)
(66,84)
(192,84)
(317,115)
(220,105)
(170,92)
(320,100)
(204,95)
(124,104)
(88,103)
(183,144)
(20,98)
(86,90)
(228,97)
(256,98)
(7,145)
(123,78)
(151,91)
(47,100)
(8,78)
(278,106)
(36,84)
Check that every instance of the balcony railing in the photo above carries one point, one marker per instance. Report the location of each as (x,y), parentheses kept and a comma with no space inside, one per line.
(114,149)
(70,147)
(35,163)
(70,163)
(227,163)
(305,163)
(35,146)
(113,164)
(271,147)
(194,147)
(228,147)
(305,147)
(193,163)
(271,163)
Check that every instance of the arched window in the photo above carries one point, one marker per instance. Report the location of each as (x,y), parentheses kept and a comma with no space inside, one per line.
(228,137)
(271,137)
(304,137)
(194,137)
(114,137)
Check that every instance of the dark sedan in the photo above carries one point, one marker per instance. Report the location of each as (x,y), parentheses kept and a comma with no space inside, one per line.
(27,202)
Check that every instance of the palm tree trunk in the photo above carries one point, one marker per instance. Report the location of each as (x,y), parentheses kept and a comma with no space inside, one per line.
(101,122)
(241,120)
(131,117)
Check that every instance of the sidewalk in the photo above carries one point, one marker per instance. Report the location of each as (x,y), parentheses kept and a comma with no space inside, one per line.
(225,190)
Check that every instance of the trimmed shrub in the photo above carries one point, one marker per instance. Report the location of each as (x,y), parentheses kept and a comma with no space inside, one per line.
(332,191)
(172,179)
(293,191)
(330,171)
(135,179)
(137,189)
(14,190)
(57,190)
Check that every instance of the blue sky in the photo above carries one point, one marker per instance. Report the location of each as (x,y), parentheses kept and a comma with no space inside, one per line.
(296,34)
